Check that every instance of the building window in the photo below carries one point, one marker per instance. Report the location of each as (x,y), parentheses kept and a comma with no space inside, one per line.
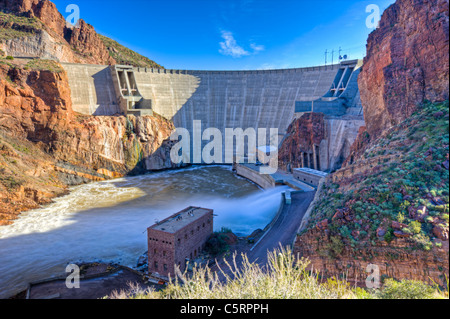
(155,251)
(165,267)
(164,253)
(185,236)
(192,232)
(156,265)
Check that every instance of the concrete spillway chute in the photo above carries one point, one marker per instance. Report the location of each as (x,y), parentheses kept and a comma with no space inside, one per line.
(129,98)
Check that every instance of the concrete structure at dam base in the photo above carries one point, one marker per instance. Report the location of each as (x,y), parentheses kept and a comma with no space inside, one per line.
(268,99)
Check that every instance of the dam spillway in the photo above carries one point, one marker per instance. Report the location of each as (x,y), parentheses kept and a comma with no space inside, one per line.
(225,99)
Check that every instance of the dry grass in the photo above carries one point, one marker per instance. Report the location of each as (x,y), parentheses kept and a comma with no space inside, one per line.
(285,278)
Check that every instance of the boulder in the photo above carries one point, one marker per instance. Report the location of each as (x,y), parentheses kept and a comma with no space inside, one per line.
(400,234)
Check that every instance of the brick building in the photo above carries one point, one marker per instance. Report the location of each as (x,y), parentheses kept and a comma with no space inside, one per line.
(178,238)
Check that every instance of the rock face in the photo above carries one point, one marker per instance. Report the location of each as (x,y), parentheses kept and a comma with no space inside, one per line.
(379,208)
(407,62)
(393,261)
(55,39)
(302,135)
(46,146)
(314,135)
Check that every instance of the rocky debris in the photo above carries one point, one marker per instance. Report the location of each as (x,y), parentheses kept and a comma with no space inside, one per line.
(398,226)
(419,213)
(381,232)
(441,232)
(407,62)
(142,261)
(323,224)
(400,234)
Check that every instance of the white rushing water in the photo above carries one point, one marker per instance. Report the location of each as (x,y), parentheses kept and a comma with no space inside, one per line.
(107,221)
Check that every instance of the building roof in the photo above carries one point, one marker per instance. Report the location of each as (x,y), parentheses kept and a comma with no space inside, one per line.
(311,171)
(181,219)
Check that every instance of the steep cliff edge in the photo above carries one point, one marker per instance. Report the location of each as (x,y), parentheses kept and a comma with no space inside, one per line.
(389,204)
(407,62)
(45,146)
(36,28)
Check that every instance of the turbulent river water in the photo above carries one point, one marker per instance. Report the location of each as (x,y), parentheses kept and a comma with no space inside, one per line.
(107,221)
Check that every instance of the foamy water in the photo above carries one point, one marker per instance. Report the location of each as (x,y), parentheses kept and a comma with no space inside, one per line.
(107,221)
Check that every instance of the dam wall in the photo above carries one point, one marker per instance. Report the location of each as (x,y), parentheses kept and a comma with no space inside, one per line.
(231,99)
(226,99)
(264,181)
(92,89)
(220,99)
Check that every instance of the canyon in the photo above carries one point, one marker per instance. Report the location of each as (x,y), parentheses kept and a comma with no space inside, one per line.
(384,142)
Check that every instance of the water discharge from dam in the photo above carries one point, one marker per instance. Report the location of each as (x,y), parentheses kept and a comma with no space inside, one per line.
(107,221)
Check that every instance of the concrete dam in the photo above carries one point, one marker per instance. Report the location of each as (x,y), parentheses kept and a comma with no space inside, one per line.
(223,99)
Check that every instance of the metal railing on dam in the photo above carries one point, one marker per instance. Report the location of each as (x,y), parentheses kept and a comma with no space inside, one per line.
(240,72)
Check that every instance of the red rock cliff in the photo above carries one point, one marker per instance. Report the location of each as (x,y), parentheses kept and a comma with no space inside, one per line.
(407,62)
(397,174)
(45,146)
(81,44)
(302,135)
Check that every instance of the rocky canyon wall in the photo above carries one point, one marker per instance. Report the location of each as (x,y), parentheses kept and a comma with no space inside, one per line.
(407,62)
(388,205)
(46,146)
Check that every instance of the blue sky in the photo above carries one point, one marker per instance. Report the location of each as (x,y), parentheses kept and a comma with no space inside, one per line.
(232,34)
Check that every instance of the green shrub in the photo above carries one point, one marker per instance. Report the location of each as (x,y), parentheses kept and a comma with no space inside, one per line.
(9,58)
(406,289)
(216,244)
(415,227)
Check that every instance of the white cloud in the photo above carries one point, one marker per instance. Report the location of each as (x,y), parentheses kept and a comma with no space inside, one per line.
(257,48)
(230,47)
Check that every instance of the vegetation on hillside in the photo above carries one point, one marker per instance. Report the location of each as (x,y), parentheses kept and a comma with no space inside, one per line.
(403,194)
(12,26)
(43,64)
(285,278)
(126,56)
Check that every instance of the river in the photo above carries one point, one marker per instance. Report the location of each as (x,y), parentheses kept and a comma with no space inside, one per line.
(107,221)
